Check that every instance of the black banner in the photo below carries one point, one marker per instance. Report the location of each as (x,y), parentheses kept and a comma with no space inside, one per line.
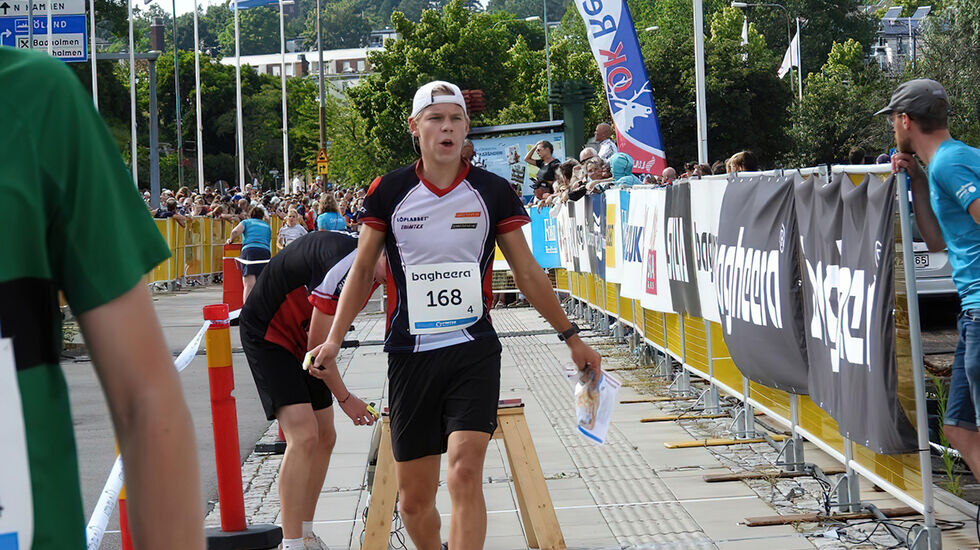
(595,213)
(848,254)
(757,282)
(680,253)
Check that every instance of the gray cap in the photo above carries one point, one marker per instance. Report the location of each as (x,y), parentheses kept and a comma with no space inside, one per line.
(919,97)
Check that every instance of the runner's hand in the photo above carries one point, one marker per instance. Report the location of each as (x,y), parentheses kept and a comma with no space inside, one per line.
(356,409)
(324,357)
(586,358)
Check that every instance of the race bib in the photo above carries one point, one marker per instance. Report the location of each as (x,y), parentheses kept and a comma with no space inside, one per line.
(16,501)
(443,297)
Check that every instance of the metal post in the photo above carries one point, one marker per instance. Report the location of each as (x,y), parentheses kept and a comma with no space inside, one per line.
(95,79)
(132,101)
(238,103)
(853,481)
(794,418)
(154,137)
(180,139)
(319,47)
(197,104)
(712,404)
(918,370)
(799,60)
(547,59)
(282,74)
(699,95)
(47,10)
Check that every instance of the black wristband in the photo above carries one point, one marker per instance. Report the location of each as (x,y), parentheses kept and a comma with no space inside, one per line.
(572,331)
(344,400)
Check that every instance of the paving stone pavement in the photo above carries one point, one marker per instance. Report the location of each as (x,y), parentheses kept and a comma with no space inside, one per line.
(631,492)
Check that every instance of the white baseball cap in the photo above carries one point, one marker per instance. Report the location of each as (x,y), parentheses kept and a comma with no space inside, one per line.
(424,97)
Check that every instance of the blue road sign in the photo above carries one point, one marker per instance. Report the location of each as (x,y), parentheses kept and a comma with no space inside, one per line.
(69,35)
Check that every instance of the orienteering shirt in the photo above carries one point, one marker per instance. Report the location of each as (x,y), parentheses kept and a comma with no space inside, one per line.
(308,273)
(436,235)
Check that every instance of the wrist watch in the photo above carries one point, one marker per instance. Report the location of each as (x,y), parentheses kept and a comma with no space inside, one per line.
(572,331)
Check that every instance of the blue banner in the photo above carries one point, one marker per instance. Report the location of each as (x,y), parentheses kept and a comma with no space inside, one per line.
(617,52)
(544,238)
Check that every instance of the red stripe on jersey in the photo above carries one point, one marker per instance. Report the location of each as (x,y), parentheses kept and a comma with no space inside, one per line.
(392,292)
(375,223)
(509,224)
(464,169)
(488,292)
(324,304)
(373,186)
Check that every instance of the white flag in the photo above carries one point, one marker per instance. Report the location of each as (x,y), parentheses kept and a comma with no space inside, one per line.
(792,57)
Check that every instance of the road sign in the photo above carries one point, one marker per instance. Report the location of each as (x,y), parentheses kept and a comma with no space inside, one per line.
(22,8)
(321,168)
(322,156)
(69,34)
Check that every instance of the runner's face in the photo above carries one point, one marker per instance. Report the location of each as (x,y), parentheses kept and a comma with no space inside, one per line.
(441,129)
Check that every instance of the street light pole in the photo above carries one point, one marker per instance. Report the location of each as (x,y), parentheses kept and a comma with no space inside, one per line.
(699,94)
(180,140)
(547,59)
(789,32)
(319,47)
(282,74)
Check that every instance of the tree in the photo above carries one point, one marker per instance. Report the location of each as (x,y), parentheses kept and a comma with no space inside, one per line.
(838,109)
(527,8)
(343,25)
(258,31)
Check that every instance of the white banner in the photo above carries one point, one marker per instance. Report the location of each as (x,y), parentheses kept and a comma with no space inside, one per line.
(706,199)
(634,245)
(656,284)
(565,235)
(582,217)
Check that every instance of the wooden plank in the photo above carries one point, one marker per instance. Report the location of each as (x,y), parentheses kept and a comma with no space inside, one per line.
(527,472)
(717,478)
(660,399)
(532,538)
(377,528)
(672,417)
(768,521)
(717,442)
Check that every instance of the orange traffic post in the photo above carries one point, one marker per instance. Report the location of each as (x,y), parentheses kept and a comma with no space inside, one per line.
(231,277)
(127,540)
(234,533)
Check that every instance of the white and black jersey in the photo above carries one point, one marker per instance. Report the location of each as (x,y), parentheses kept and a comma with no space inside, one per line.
(426,225)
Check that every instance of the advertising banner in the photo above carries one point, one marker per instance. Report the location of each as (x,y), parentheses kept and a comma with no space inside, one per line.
(583,214)
(544,238)
(706,199)
(616,49)
(596,233)
(757,282)
(679,253)
(614,252)
(504,156)
(566,236)
(634,245)
(850,309)
(656,284)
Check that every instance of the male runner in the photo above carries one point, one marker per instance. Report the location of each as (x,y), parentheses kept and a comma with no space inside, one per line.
(290,309)
(947,211)
(438,219)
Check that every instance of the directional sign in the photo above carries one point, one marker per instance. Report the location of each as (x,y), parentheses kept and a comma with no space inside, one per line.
(58,7)
(69,35)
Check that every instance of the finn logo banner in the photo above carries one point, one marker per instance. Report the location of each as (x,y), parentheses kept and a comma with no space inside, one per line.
(617,52)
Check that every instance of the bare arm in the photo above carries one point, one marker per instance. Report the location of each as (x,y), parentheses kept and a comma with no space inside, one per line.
(236,232)
(974,210)
(925,218)
(527,157)
(536,286)
(153,425)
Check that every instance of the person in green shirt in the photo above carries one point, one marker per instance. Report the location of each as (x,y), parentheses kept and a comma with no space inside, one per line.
(74,222)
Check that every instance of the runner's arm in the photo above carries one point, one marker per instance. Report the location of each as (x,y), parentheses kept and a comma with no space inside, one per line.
(925,218)
(359,283)
(536,286)
(238,230)
(320,325)
(156,436)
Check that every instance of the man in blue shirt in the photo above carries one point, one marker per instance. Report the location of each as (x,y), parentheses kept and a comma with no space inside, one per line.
(947,210)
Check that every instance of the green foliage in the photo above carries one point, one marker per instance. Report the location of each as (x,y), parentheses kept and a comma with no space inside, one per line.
(343,25)
(528,8)
(258,32)
(953,482)
(838,107)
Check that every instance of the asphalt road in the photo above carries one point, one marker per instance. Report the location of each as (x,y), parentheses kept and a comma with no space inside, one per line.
(180,315)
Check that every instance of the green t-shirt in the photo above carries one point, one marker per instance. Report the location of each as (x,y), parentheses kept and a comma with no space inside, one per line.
(72,221)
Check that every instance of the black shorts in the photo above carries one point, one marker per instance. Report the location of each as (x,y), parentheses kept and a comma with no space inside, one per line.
(280,378)
(254,253)
(434,393)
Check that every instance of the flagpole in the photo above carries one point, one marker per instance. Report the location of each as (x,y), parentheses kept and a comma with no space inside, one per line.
(282,73)
(197,92)
(238,98)
(47,9)
(180,138)
(95,80)
(799,61)
(132,98)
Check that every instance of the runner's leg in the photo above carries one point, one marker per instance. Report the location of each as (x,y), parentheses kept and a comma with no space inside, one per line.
(327,437)
(299,424)
(418,481)
(467,452)
(248,281)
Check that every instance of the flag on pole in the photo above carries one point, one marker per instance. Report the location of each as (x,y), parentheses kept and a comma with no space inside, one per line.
(745,36)
(792,57)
